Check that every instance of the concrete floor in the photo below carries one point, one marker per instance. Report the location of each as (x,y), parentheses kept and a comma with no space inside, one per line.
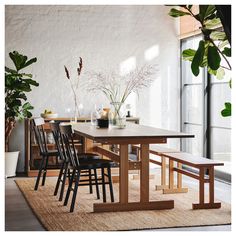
(19,216)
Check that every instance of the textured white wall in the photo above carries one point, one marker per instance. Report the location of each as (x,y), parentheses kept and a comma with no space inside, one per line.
(106,37)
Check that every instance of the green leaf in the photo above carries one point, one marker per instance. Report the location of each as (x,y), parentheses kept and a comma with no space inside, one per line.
(176,13)
(212,23)
(188,54)
(223,44)
(31,61)
(27,114)
(31,82)
(219,36)
(213,58)
(20,61)
(10,70)
(230,83)
(210,17)
(204,61)
(26,75)
(20,95)
(220,73)
(15,57)
(16,102)
(227,110)
(227,52)
(23,87)
(212,72)
(198,58)
(27,106)
(205,11)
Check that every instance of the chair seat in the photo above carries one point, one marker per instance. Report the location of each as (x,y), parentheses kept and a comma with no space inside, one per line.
(50,153)
(95,163)
(88,156)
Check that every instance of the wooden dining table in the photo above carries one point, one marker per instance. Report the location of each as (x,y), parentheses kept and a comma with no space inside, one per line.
(131,134)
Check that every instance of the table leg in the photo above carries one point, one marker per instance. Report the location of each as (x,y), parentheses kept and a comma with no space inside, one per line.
(144,203)
(124,177)
(88,145)
(144,173)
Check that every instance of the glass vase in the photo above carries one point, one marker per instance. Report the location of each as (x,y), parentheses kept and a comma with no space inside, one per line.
(117,115)
(74,115)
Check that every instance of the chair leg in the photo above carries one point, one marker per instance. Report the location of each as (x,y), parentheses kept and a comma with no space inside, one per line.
(90,181)
(96,182)
(110,183)
(69,188)
(75,191)
(103,186)
(39,173)
(59,179)
(45,171)
(69,174)
(63,181)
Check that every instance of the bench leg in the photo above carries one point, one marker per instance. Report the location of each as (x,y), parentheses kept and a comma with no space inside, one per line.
(212,204)
(172,188)
(163,175)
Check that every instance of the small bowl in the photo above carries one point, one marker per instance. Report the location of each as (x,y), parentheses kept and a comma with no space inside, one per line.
(49,116)
(102,123)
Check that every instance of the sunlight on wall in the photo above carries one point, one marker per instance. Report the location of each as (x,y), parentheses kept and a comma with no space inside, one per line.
(127,66)
(151,53)
(155,105)
(168,96)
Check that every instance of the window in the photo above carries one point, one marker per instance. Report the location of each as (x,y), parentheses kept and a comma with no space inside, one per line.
(202,99)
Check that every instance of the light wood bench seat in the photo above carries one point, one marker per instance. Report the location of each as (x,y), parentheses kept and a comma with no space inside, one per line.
(191,160)
(200,163)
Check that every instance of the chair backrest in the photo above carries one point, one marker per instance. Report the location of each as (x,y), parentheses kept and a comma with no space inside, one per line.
(68,144)
(58,138)
(40,134)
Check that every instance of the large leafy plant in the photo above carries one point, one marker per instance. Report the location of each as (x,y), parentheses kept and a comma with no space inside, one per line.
(17,84)
(214,49)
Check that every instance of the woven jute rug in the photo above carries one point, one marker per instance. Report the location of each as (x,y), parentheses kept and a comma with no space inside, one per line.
(54,216)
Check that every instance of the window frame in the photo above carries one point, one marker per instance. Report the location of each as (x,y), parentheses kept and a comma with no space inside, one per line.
(207,125)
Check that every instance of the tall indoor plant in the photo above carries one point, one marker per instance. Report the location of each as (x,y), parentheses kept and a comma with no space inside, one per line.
(215,47)
(17,84)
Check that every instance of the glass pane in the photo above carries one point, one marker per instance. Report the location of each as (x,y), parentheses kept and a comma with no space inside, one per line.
(221,147)
(193,145)
(220,93)
(192,104)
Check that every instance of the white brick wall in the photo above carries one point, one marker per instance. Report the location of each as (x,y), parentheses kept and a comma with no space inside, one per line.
(104,36)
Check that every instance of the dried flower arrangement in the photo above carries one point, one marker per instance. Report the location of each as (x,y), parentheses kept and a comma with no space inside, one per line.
(75,85)
(117,88)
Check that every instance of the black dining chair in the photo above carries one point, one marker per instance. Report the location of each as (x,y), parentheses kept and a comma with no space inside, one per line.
(65,170)
(77,166)
(45,153)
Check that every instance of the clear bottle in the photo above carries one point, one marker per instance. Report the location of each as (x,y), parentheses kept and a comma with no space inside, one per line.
(94,116)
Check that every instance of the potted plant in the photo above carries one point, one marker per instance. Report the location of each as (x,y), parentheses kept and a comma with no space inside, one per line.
(17,84)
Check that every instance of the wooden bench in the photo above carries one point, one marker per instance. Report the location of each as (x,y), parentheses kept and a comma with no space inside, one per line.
(200,163)
(158,150)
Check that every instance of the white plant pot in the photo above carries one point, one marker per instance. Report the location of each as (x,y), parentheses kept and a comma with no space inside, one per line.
(11,159)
